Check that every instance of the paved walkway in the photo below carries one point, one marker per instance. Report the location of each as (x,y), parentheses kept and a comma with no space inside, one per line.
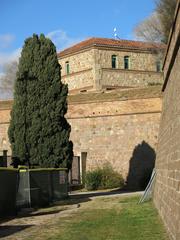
(95,194)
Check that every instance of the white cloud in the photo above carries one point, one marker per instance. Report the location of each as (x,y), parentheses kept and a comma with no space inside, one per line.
(6,40)
(9,57)
(61,39)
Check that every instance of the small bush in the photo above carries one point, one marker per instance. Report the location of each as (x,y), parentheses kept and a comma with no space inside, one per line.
(103,178)
(111,178)
(93,179)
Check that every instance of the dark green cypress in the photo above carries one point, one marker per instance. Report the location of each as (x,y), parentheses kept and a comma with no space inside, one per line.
(39,132)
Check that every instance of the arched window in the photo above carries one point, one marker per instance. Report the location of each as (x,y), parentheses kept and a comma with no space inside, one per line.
(126,62)
(114,61)
(67,67)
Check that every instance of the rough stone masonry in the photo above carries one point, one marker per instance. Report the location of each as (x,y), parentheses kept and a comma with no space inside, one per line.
(118,127)
(167,187)
(115,119)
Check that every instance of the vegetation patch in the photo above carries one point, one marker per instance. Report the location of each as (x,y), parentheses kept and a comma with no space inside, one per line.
(104,218)
(103,178)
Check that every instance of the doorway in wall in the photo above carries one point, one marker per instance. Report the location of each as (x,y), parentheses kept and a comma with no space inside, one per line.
(83,166)
(74,173)
(3,159)
(78,170)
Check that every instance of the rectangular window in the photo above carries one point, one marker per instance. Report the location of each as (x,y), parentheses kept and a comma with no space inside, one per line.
(114,61)
(67,68)
(126,62)
(158,66)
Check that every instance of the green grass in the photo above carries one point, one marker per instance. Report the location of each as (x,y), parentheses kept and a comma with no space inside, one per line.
(107,219)
(116,218)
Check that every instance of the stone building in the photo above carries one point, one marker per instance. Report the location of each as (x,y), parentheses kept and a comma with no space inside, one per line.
(116,127)
(113,112)
(167,187)
(101,63)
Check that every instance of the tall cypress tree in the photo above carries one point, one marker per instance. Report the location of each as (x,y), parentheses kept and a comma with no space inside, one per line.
(39,132)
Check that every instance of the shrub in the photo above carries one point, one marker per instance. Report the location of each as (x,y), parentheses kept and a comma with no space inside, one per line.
(111,178)
(103,178)
(93,179)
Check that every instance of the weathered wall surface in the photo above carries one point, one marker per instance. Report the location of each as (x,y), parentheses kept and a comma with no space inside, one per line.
(79,80)
(5,107)
(129,78)
(81,70)
(167,187)
(139,60)
(91,69)
(119,132)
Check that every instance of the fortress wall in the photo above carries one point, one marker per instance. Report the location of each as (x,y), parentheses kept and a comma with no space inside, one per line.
(123,133)
(167,187)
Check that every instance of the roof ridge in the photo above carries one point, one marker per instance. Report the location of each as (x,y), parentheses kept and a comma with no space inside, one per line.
(121,43)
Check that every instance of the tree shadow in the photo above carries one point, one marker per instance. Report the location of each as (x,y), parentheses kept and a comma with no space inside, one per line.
(36,214)
(8,230)
(71,200)
(141,165)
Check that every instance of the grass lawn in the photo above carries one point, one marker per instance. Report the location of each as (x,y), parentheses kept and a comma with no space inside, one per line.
(101,219)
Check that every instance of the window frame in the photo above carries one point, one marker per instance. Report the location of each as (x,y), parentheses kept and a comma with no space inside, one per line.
(67,67)
(158,66)
(126,62)
(114,61)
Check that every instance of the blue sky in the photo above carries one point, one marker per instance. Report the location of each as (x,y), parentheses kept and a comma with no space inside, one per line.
(66,22)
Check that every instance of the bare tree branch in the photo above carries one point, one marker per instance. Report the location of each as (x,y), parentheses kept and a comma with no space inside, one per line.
(8,78)
(156,27)
(150,29)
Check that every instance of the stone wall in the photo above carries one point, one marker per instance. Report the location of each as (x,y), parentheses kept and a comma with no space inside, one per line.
(119,127)
(123,133)
(91,68)
(79,80)
(5,107)
(139,60)
(167,187)
(81,70)
(129,78)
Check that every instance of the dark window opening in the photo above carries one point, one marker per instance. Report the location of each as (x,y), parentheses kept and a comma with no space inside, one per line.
(158,66)
(114,61)
(67,68)
(126,62)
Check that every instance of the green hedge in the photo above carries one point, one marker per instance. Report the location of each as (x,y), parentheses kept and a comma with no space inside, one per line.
(40,187)
(103,178)
(31,188)
(8,191)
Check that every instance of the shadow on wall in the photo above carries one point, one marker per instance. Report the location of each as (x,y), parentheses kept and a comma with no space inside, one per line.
(141,165)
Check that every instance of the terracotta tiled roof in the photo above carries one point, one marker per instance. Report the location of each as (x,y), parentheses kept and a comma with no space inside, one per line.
(111,43)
